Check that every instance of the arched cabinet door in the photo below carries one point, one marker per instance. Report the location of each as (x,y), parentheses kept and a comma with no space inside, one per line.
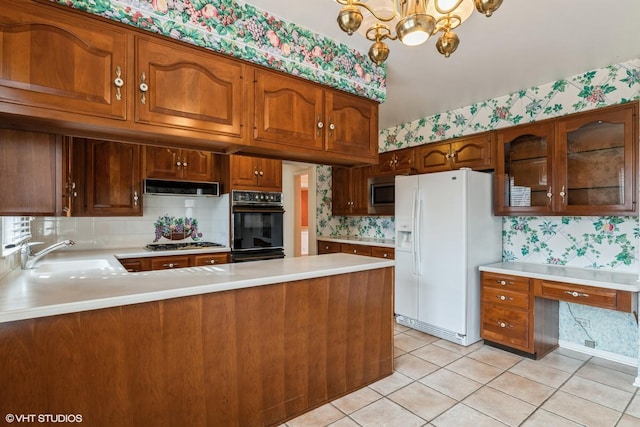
(59,63)
(288,111)
(187,88)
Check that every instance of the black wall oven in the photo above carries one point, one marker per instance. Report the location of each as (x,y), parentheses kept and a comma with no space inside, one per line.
(257,229)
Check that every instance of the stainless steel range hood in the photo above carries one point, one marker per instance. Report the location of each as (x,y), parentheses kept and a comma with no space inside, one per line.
(181,188)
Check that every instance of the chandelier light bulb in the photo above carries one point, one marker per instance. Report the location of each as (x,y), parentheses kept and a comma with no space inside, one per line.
(415,29)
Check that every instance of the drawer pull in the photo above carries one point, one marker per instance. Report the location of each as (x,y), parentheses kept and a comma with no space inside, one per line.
(504,298)
(504,282)
(170,265)
(212,261)
(504,325)
(576,294)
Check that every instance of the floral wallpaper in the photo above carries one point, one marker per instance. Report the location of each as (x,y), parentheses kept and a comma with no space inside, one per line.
(239,29)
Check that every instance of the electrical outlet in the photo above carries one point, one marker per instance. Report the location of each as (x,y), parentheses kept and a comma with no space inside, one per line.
(589,343)
(584,322)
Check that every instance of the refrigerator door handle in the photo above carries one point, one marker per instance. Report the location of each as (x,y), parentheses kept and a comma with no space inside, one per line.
(417,229)
(413,228)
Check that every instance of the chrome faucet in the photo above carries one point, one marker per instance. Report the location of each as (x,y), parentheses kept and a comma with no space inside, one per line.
(28,258)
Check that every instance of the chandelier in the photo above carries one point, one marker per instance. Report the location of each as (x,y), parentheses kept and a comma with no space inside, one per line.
(414,21)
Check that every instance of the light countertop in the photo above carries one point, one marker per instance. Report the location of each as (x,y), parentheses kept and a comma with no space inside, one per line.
(355,240)
(72,281)
(580,276)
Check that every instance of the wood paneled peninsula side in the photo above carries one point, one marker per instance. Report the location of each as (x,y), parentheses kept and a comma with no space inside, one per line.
(249,344)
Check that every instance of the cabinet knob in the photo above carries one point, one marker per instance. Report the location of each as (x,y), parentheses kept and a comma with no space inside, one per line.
(549,194)
(319,125)
(212,261)
(261,173)
(385,255)
(505,325)
(504,282)
(135,198)
(178,164)
(143,88)
(170,265)
(504,298)
(118,82)
(576,294)
(355,251)
(255,172)
(184,164)
(562,193)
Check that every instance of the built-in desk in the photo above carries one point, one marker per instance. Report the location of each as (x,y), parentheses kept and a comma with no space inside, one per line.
(519,301)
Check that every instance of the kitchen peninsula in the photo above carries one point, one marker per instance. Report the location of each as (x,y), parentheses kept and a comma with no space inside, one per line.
(234,344)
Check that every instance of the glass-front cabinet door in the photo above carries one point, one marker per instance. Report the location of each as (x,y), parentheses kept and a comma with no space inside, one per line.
(596,154)
(524,170)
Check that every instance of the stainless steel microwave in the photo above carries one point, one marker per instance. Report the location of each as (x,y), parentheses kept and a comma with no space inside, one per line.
(382,194)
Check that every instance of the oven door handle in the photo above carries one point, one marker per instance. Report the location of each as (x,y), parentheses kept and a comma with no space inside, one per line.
(258,209)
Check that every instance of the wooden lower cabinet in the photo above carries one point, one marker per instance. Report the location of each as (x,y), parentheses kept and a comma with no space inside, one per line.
(246,357)
(327,247)
(173,261)
(210,259)
(513,318)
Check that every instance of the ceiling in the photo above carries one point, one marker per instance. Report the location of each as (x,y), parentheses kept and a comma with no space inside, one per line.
(525,43)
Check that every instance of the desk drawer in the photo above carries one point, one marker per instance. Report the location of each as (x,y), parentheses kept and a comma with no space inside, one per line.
(580,294)
(504,281)
(507,327)
(505,298)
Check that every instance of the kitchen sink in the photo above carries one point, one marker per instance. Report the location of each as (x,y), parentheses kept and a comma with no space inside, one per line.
(73,266)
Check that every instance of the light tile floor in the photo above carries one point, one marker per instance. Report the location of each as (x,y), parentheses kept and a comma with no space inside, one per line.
(438,383)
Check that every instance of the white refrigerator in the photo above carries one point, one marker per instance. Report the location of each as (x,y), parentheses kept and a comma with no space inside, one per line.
(445,229)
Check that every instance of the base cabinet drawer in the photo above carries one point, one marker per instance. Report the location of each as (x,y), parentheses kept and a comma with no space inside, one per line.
(210,259)
(588,295)
(348,248)
(328,247)
(507,327)
(382,252)
(170,262)
(503,297)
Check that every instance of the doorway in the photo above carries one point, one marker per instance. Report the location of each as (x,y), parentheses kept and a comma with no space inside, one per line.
(298,186)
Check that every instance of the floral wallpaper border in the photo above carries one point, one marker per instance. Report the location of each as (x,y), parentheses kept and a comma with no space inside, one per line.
(241,30)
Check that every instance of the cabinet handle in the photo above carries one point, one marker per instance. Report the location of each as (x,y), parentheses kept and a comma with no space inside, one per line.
(504,282)
(576,294)
(549,194)
(454,154)
(143,88)
(504,325)
(504,298)
(332,127)
(135,198)
(170,265)
(118,82)
(320,126)
(562,193)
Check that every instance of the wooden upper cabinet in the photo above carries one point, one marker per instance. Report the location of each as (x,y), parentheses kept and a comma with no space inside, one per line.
(31,173)
(307,120)
(255,173)
(396,162)
(582,164)
(287,111)
(106,178)
(57,62)
(177,164)
(187,88)
(349,195)
(475,152)
(351,125)
(596,158)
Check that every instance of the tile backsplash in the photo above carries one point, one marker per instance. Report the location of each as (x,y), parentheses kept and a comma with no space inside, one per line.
(212,214)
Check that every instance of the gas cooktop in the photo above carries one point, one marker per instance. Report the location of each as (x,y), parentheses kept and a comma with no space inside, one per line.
(178,246)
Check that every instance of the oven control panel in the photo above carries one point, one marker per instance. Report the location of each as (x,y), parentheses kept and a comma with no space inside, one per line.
(256,198)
